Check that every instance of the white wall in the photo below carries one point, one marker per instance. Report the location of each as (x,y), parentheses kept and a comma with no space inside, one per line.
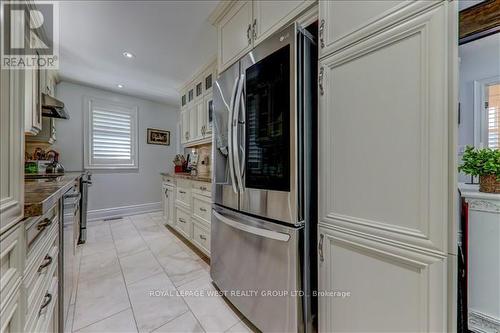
(112,189)
(478,60)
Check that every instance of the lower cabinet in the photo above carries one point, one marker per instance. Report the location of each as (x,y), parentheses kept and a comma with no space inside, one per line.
(192,213)
(168,203)
(11,258)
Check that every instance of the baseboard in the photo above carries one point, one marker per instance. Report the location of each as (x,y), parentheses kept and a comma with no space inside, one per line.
(99,214)
(482,323)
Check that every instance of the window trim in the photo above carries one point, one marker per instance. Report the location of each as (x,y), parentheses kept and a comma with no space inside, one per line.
(480,121)
(88,102)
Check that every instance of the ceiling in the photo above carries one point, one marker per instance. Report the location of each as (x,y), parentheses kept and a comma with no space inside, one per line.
(171,40)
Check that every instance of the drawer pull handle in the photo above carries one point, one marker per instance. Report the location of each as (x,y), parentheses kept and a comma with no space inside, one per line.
(182,192)
(182,220)
(48,261)
(203,188)
(203,237)
(48,299)
(203,209)
(44,224)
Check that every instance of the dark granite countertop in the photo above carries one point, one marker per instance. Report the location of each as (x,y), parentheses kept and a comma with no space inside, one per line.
(41,194)
(186,176)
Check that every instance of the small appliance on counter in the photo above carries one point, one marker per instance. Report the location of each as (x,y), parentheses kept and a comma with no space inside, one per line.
(204,162)
(54,166)
(180,163)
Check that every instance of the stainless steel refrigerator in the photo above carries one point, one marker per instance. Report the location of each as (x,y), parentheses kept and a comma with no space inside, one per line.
(263,217)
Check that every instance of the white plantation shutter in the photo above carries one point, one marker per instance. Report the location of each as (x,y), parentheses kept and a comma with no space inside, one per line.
(493,116)
(111,135)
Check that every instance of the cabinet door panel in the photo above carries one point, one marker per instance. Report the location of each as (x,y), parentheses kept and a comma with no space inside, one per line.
(202,122)
(193,123)
(344,22)
(384,288)
(234,34)
(184,125)
(385,100)
(11,147)
(270,16)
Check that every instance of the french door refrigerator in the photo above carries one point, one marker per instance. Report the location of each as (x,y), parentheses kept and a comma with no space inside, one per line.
(263,220)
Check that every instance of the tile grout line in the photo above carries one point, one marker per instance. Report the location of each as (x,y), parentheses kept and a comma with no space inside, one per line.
(114,314)
(123,277)
(162,272)
(176,288)
(78,284)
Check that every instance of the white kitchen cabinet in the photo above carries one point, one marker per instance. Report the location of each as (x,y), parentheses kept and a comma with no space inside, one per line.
(32,107)
(193,122)
(270,16)
(168,203)
(483,259)
(201,118)
(242,25)
(207,114)
(234,33)
(185,125)
(12,100)
(47,134)
(341,23)
(195,125)
(387,98)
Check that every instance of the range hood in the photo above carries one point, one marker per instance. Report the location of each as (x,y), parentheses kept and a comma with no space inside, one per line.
(53,108)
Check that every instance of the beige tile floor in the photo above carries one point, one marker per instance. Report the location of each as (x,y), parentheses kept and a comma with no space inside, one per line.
(137,276)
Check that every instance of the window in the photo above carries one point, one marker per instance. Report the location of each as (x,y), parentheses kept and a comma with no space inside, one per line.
(487,113)
(493,115)
(110,135)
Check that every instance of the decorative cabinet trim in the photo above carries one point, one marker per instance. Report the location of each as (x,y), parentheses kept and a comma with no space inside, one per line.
(481,322)
(484,205)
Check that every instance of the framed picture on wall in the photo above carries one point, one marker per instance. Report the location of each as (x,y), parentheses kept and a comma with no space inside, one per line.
(158,137)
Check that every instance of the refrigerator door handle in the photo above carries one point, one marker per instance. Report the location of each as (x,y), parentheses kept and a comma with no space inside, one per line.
(235,143)
(230,136)
(279,236)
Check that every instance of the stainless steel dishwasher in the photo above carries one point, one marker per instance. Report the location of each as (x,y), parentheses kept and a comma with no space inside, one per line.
(69,232)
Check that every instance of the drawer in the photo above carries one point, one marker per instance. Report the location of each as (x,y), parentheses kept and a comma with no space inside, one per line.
(36,227)
(183,223)
(201,237)
(168,180)
(183,196)
(46,296)
(37,277)
(11,263)
(202,188)
(11,314)
(201,207)
(47,314)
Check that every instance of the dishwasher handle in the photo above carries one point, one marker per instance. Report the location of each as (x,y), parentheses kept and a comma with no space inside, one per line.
(253,230)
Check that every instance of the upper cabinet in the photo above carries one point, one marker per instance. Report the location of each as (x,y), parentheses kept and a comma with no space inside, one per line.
(241,25)
(269,16)
(340,26)
(234,34)
(196,107)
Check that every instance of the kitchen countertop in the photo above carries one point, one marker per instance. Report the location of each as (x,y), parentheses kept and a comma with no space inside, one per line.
(186,176)
(41,194)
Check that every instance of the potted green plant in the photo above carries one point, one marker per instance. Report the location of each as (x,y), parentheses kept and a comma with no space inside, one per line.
(485,163)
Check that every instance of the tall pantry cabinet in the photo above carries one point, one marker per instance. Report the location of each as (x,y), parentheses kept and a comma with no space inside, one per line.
(387,109)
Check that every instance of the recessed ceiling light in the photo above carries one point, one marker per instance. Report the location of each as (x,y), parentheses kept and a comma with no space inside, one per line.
(119,86)
(127,54)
